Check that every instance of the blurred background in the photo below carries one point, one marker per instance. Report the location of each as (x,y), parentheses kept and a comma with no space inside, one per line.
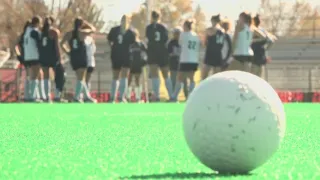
(295,65)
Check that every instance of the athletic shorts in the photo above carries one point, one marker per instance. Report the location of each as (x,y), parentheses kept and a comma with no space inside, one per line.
(48,63)
(188,67)
(90,69)
(243,58)
(174,64)
(29,63)
(213,61)
(160,59)
(258,60)
(117,64)
(136,67)
(79,63)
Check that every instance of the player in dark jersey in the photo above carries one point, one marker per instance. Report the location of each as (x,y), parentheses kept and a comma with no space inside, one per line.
(120,38)
(260,48)
(138,59)
(50,57)
(157,35)
(174,51)
(31,48)
(20,56)
(215,40)
(78,56)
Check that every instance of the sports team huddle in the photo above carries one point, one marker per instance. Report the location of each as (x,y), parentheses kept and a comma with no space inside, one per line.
(177,59)
(38,49)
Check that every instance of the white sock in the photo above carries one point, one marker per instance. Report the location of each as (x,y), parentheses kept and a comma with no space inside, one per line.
(137,91)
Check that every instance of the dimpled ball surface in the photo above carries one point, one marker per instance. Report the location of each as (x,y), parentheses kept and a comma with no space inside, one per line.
(234,122)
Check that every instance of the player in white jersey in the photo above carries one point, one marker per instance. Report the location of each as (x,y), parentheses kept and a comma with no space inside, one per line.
(91,50)
(20,56)
(243,37)
(31,46)
(226,25)
(190,44)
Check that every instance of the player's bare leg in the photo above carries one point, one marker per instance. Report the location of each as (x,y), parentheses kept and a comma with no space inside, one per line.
(205,71)
(192,84)
(123,84)
(154,76)
(41,92)
(138,87)
(47,83)
(34,75)
(114,85)
(129,89)
(81,86)
(182,76)
(167,79)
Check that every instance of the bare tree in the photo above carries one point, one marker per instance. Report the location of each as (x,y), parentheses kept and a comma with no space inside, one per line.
(281,18)
(14,15)
(173,13)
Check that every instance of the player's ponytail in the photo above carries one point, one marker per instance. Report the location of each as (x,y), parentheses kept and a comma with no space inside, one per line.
(188,24)
(77,26)
(124,22)
(247,18)
(257,20)
(35,21)
(26,25)
(226,25)
(216,18)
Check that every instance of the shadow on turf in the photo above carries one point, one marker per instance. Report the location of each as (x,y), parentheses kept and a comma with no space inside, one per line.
(182,175)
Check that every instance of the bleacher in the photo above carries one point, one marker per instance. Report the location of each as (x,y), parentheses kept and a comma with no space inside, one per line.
(294,66)
(296,49)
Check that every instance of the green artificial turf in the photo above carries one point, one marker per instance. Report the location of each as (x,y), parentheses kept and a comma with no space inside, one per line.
(133,141)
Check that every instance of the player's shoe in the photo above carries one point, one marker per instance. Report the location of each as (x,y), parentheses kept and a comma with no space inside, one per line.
(110,100)
(47,100)
(122,100)
(90,100)
(155,100)
(78,100)
(36,101)
(60,100)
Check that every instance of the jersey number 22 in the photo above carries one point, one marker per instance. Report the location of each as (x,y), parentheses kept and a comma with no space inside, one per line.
(192,45)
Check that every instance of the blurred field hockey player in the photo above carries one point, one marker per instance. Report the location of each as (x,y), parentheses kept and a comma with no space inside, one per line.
(242,39)
(227,46)
(78,56)
(260,49)
(19,50)
(31,49)
(138,59)
(216,43)
(189,59)
(174,51)
(120,39)
(50,58)
(91,50)
(157,36)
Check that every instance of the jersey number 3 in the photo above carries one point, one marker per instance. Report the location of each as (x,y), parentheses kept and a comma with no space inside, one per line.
(192,45)
(44,41)
(219,39)
(157,36)
(120,39)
